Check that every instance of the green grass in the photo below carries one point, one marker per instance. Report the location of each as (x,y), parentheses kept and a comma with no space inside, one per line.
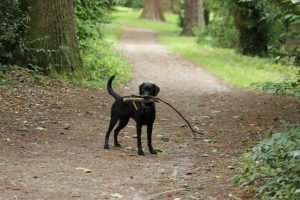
(235,69)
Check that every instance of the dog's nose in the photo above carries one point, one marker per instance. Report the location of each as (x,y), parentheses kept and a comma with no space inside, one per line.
(146,94)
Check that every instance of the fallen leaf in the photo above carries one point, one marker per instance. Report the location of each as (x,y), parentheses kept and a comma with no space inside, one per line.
(230,167)
(41,129)
(85,170)
(207,140)
(117,195)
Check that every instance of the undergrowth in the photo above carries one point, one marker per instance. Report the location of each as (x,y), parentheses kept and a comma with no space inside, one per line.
(101,60)
(288,85)
(271,168)
(12,74)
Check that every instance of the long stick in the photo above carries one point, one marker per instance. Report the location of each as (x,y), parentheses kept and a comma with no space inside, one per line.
(188,123)
(135,97)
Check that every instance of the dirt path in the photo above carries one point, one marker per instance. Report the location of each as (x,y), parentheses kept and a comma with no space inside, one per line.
(51,134)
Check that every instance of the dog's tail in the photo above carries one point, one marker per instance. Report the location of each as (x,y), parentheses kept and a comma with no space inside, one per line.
(110,89)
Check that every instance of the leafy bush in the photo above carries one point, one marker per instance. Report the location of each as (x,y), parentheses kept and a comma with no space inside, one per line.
(289,85)
(283,19)
(101,61)
(220,31)
(218,34)
(88,16)
(266,28)
(13,25)
(272,167)
(99,58)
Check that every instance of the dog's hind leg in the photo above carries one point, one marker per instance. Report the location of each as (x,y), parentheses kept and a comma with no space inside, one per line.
(122,123)
(112,123)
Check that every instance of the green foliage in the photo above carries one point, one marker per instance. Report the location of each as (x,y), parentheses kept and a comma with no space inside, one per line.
(220,31)
(13,74)
(272,167)
(88,16)
(98,55)
(283,17)
(288,85)
(218,34)
(13,24)
(274,24)
(100,61)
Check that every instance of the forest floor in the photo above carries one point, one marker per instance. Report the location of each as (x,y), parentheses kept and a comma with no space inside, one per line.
(51,133)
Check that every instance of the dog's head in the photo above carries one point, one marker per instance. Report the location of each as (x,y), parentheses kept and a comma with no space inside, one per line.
(148,89)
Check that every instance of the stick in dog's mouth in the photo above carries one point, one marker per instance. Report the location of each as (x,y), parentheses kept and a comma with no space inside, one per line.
(148,99)
(140,99)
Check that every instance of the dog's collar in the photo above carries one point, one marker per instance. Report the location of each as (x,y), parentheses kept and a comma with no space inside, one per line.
(135,106)
(143,105)
(146,106)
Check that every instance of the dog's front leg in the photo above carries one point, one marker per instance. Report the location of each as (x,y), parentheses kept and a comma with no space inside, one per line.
(149,138)
(139,138)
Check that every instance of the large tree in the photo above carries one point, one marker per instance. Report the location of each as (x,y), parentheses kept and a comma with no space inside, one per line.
(153,10)
(193,16)
(252,28)
(53,44)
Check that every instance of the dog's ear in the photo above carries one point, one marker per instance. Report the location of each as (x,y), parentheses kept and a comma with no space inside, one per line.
(156,89)
(141,88)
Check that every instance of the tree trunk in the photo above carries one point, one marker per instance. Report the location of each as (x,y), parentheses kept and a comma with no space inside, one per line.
(206,17)
(193,16)
(53,44)
(153,10)
(253,32)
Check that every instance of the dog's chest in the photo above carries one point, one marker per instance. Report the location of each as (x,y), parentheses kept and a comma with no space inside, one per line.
(146,112)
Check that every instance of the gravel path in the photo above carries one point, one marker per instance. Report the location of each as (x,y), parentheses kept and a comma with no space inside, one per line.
(151,62)
(52,135)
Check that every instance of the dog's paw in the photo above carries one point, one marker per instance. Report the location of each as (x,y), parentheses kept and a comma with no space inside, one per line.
(153,151)
(141,153)
(106,146)
(117,144)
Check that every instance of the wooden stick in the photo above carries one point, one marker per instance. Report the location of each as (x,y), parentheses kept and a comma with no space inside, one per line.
(139,99)
(136,98)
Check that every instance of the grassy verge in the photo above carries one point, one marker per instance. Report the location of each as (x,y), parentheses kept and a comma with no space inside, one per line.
(235,69)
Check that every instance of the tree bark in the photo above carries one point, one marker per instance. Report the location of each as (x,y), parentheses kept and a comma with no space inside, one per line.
(153,10)
(253,32)
(193,16)
(52,38)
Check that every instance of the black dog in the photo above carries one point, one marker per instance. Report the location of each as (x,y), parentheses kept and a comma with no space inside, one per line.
(142,113)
